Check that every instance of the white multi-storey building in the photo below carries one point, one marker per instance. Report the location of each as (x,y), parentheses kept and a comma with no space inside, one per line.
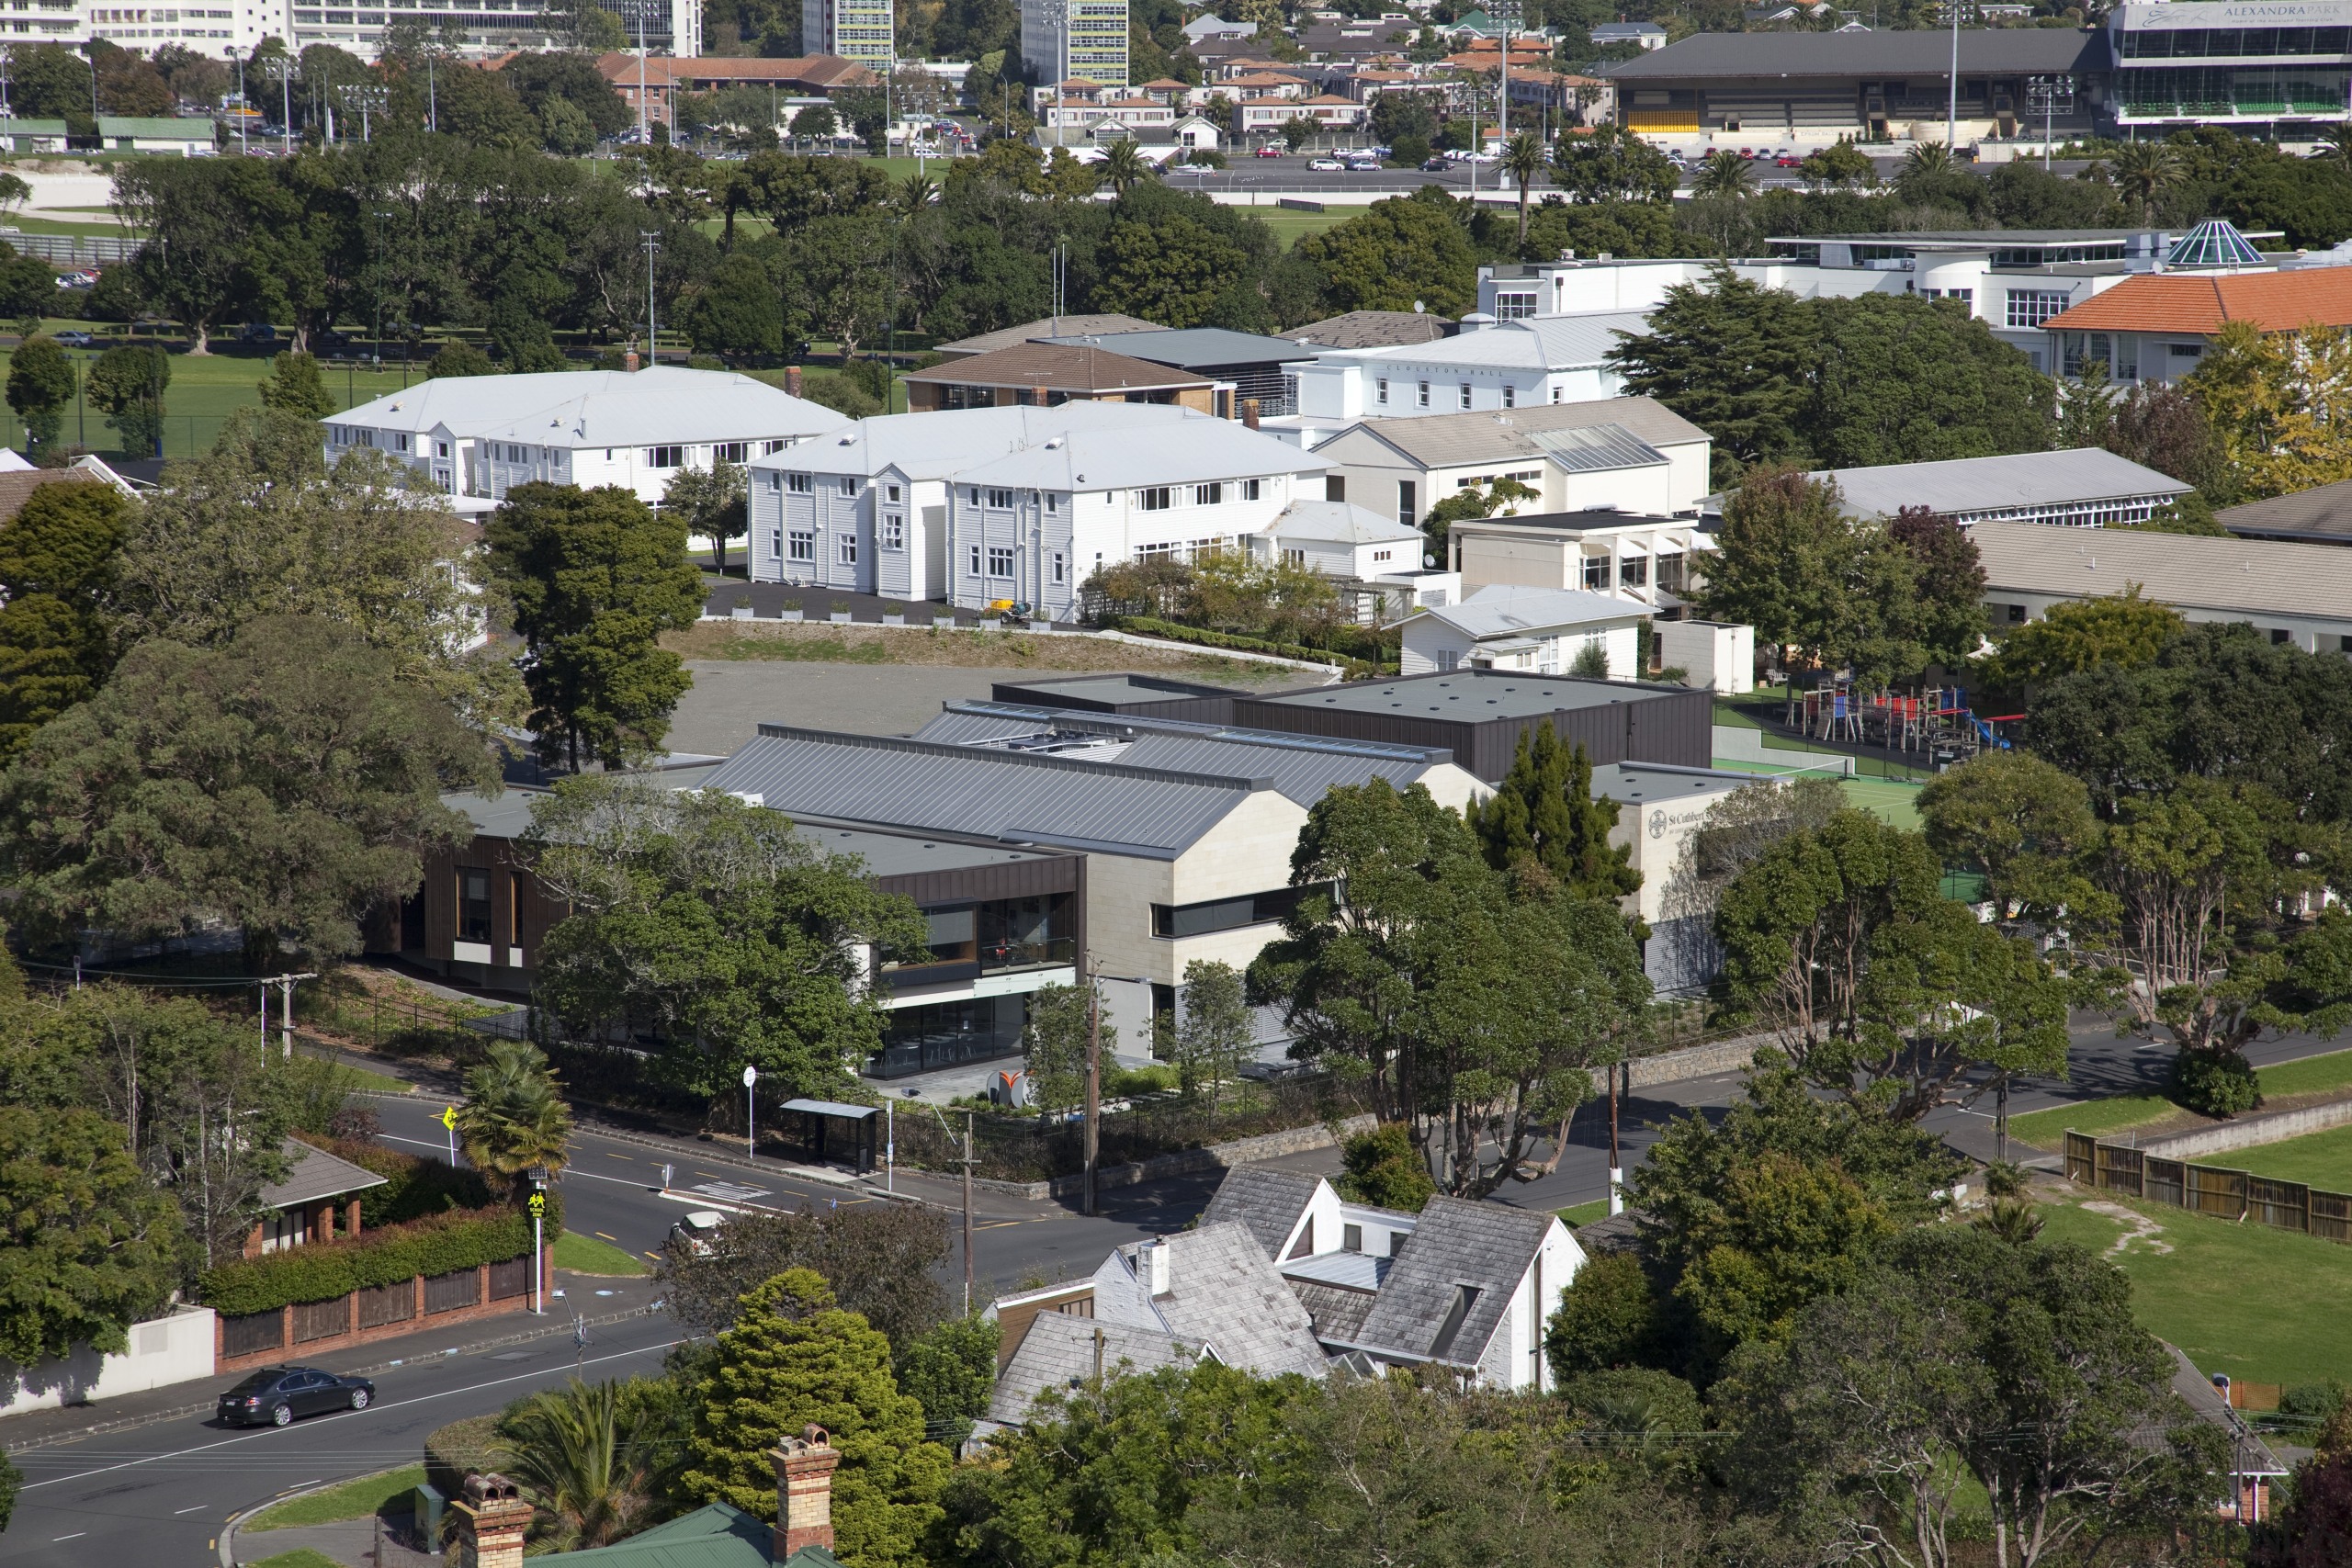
(862,31)
(480,435)
(1488,364)
(978,506)
(1083,38)
(222,29)
(489,27)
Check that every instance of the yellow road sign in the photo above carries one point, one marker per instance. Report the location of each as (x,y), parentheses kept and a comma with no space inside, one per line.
(449,1117)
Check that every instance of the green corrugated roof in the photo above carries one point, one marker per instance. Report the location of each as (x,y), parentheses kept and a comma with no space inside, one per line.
(190,128)
(718,1536)
(33,127)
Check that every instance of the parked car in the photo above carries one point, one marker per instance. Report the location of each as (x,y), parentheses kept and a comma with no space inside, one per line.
(1364,165)
(257,331)
(75,339)
(1268,151)
(699,1231)
(1435,166)
(1326,166)
(274,1396)
(1788,160)
(1190,169)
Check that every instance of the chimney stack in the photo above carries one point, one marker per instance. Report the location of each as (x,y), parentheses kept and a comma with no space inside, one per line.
(1153,1256)
(804,1492)
(491,1521)
(629,361)
(792,380)
(1250,412)
(1038,396)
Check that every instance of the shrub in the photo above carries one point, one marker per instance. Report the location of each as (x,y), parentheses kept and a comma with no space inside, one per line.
(1385,1170)
(459,1448)
(2215,1083)
(439,1243)
(414,1186)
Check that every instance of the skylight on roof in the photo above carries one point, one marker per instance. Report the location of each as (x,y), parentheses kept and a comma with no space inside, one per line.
(2213,243)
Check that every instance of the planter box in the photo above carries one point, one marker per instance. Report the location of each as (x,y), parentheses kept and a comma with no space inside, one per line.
(894,620)
(789,616)
(739,612)
(942,623)
(841,617)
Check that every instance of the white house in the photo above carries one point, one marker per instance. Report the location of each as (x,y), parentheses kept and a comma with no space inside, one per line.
(1630,454)
(983,506)
(1647,558)
(1489,364)
(1543,629)
(480,435)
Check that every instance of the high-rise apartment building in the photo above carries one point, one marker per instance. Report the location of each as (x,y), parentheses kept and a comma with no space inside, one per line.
(222,29)
(488,27)
(1062,39)
(862,30)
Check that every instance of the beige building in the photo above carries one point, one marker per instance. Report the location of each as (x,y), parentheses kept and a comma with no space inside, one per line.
(2290,592)
(1645,558)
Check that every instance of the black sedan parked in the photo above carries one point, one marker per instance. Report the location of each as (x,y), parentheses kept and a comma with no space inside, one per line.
(277,1394)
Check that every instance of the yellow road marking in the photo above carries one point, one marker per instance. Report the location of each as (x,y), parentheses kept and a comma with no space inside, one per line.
(609,1155)
(604,1236)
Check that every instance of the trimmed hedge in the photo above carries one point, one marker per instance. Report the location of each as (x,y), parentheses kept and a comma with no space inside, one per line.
(415,1186)
(438,1243)
(1173,631)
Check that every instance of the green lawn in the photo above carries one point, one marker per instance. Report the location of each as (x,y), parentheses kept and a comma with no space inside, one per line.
(2321,1159)
(1584,1214)
(301,1557)
(352,1500)
(584,1254)
(1290,226)
(2100,1118)
(2255,1303)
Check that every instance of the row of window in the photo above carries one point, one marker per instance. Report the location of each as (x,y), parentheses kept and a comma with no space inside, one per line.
(1634,571)
(1461,393)
(2031,307)
(996,561)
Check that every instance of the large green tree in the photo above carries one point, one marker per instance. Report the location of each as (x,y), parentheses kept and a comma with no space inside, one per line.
(595,576)
(41,382)
(793,1358)
(1402,254)
(283,784)
(1609,163)
(90,1246)
(57,570)
(1792,563)
(127,386)
(714,501)
(1544,812)
(714,922)
(879,1261)
(1733,357)
(1901,379)
(515,1118)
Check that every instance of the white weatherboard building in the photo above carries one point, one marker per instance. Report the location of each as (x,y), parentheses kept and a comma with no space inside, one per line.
(1541,629)
(1021,506)
(1488,364)
(481,435)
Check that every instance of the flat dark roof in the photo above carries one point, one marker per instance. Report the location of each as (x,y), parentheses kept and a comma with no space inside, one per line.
(1590,517)
(1473,696)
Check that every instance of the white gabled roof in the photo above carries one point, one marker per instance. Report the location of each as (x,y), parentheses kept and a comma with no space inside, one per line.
(1098,459)
(1504,610)
(1537,343)
(944,443)
(659,405)
(1338,522)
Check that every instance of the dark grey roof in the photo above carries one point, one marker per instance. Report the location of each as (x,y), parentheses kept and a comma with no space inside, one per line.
(315,1173)
(1337,1311)
(2319,516)
(951,789)
(1223,1291)
(1582,521)
(1194,348)
(1125,687)
(1482,1245)
(1473,696)
(1611,1233)
(1265,1202)
(1303,767)
(1371,329)
(1654,784)
(1057,1353)
(2001,50)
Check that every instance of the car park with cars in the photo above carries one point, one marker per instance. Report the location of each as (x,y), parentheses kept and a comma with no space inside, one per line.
(277,1396)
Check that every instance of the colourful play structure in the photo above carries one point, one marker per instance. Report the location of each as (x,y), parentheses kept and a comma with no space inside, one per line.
(1936,720)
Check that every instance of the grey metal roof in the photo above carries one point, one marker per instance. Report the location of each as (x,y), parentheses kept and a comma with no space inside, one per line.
(1370,328)
(314,1174)
(2321,516)
(1265,1202)
(1222,1290)
(2238,578)
(1096,460)
(1044,326)
(1057,1353)
(1770,57)
(1589,520)
(1652,784)
(1194,348)
(1485,1245)
(960,789)
(1357,1270)
(1507,609)
(1303,767)
(1962,486)
(1598,448)
(1445,440)
(1472,696)
(603,407)
(1339,522)
(1125,687)
(942,443)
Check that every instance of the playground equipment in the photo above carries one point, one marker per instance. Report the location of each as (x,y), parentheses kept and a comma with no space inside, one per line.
(1936,720)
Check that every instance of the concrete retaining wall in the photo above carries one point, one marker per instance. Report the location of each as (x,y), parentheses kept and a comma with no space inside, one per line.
(1191,1162)
(161,1351)
(2251,1131)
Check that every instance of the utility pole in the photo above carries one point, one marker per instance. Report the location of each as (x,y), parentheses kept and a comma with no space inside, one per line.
(653,338)
(285,984)
(1616,1166)
(2001,1119)
(1093,1077)
(967,1213)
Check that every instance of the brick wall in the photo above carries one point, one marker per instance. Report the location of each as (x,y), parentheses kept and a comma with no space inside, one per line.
(290,1349)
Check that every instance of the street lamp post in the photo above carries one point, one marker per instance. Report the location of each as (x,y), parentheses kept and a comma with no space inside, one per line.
(751,1111)
(652,331)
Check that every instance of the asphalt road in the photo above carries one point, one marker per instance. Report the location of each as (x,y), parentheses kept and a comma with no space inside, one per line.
(157,1496)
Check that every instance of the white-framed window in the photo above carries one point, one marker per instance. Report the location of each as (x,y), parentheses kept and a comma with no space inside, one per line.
(799,484)
(1293,557)
(775,544)
(1061,567)
(1252,489)
(665,457)
(1382,555)
(1510,396)
(2031,307)
(441,448)
(894,532)
(767,448)
(1555,394)
(845,549)
(891,491)
(1515,305)
(1465,394)
(730,452)
(1053,502)
(1000,499)
(849,485)
(1380,390)
(1424,394)
(1208,494)
(1596,573)
(1152,500)
(804,545)
(999,561)
(975,560)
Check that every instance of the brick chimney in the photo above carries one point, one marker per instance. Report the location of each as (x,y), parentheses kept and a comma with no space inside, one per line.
(1038,396)
(1250,412)
(629,360)
(792,379)
(804,1492)
(492,1520)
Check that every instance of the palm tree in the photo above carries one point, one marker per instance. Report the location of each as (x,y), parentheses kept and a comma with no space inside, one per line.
(1724,173)
(2336,142)
(2144,171)
(1523,159)
(1123,165)
(917,192)
(577,1455)
(1928,158)
(2015,1220)
(515,1117)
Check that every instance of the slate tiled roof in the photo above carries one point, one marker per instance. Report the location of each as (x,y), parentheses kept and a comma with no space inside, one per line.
(1265,1202)
(1337,1312)
(316,1173)
(1059,367)
(1224,1292)
(1057,1353)
(16,486)
(1371,329)
(1482,1245)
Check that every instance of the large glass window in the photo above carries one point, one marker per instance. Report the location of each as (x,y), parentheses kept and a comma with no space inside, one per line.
(473,904)
(1231,914)
(933,1035)
(998,935)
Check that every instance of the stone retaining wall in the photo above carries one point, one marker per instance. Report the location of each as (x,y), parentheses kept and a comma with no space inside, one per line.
(2248,1132)
(1711,1060)
(1192,1162)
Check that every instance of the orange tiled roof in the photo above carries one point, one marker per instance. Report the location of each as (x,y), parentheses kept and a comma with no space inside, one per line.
(2202,302)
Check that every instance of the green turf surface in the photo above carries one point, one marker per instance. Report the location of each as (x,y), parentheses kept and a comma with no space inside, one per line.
(301,1557)
(584,1254)
(350,1500)
(2100,1118)
(1584,1214)
(2255,1303)
(2311,1075)
(1290,226)
(2318,1160)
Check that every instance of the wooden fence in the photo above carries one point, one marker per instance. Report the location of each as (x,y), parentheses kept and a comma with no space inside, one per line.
(2208,1189)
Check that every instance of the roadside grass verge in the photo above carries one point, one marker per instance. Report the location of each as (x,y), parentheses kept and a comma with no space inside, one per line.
(2315,1077)
(584,1254)
(359,1499)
